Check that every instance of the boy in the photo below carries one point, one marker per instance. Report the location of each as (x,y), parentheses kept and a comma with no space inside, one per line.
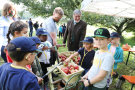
(44,57)
(87,54)
(16,76)
(96,78)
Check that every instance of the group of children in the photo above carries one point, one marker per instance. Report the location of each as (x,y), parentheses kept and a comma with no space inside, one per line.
(16,52)
(22,50)
(98,66)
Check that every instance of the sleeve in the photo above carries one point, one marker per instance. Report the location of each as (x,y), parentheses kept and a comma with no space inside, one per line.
(107,63)
(83,34)
(121,57)
(33,85)
(80,51)
(48,26)
(65,34)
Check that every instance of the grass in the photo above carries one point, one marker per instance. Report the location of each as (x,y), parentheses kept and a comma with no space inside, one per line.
(122,68)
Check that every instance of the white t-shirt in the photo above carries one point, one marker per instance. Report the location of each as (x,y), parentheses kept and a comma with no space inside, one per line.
(46,54)
(50,26)
(4,26)
(104,61)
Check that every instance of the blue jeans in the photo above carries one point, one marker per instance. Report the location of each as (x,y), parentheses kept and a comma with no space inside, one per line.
(3,54)
(31,32)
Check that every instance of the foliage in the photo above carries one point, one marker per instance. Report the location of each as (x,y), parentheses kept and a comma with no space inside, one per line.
(46,7)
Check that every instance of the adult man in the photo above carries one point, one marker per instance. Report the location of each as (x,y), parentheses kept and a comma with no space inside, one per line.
(75,32)
(50,25)
(36,25)
(31,27)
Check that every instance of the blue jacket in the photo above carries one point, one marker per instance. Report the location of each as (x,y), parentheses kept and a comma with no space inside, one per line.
(118,56)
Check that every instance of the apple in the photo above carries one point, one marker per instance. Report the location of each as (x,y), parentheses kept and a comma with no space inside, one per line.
(65,70)
(65,63)
(76,67)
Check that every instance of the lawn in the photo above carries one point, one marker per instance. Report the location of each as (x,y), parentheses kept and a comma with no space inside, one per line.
(122,68)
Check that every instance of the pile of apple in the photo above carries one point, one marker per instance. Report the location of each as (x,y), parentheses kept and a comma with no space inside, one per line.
(64,56)
(69,68)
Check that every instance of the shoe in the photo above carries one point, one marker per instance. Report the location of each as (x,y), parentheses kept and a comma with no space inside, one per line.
(115,75)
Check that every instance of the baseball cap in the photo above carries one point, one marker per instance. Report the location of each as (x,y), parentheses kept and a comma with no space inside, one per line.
(41,31)
(114,35)
(102,32)
(25,44)
(88,40)
(36,40)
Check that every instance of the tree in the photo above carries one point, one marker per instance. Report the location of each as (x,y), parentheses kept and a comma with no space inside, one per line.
(45,7)
(118,24)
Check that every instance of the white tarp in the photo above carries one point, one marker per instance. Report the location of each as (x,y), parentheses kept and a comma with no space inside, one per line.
(121,8)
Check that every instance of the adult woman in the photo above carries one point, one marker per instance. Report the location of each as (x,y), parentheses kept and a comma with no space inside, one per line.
(8,16)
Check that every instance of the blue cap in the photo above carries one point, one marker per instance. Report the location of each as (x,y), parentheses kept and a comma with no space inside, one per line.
(36,40)
(25,44)
(41,31)
(114,35)
(88,40)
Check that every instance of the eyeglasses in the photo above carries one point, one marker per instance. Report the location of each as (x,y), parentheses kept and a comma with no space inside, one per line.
(34,53)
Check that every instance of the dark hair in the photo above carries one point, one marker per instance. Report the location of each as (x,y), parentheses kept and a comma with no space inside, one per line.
(16,55)
(15,26)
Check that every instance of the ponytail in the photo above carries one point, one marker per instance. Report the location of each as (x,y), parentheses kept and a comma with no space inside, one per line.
(15,26)
(8,37)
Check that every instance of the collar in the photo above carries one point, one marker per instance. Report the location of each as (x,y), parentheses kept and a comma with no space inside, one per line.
(76,22)
(18,67)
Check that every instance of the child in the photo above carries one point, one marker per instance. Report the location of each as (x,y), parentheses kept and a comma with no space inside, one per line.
(115,48)
(34,65)
(16,29)
(86,53)
(96,78)
(117,52)
(44,57)
(16,76)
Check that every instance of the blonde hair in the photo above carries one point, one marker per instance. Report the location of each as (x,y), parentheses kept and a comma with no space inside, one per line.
(59,11)
(91,46)
(6,8)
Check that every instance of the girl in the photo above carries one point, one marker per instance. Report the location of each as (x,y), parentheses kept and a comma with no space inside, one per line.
(86,53)
(8,16)
(16,29)
(117,52)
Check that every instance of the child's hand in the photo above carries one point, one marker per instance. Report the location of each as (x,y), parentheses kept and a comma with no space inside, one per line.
(40,80)
(67,60)
(85,77)
(44,48)
(86,83)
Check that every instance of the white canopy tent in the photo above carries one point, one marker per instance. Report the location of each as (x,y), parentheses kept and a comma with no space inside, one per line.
(121,8)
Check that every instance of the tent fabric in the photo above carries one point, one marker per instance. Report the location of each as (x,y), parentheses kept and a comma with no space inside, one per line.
(121,8)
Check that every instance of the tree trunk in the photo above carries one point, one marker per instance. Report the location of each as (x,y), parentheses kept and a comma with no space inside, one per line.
(119,31)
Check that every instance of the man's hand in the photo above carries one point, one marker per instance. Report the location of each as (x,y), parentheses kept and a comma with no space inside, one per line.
(54,42)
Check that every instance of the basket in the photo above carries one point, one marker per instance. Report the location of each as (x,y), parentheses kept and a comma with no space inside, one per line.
(66,77)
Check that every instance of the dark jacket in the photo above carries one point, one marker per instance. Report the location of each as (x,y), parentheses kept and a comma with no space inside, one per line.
(74,34)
